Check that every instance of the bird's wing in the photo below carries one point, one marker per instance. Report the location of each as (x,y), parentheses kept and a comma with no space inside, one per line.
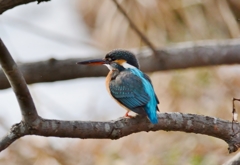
(128,89)
(147,78)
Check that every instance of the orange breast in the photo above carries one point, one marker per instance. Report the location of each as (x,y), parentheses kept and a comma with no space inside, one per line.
(108,79)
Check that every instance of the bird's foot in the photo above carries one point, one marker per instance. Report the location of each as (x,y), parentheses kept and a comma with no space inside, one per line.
(127,115)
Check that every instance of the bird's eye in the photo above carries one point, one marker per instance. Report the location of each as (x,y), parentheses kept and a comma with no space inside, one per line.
(108,59)
(113,59)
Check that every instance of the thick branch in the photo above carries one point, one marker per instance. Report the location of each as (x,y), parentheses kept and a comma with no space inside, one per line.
(190,123)
(18,84)
(178,56)
(9,4)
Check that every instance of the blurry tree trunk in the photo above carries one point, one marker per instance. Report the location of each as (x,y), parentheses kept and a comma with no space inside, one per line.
(177,56)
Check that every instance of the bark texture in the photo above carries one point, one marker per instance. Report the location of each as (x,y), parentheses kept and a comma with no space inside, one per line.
(116,129)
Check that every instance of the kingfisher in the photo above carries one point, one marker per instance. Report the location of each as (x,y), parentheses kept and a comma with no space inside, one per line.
(128,85)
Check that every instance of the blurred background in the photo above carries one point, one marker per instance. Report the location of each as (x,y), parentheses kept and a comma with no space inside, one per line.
(68,29)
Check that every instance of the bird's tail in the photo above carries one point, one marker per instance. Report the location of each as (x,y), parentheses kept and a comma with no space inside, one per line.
(152,116)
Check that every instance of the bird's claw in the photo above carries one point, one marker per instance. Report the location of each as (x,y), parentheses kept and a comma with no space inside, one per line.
(127,115)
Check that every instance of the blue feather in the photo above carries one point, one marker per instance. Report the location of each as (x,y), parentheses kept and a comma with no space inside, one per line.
(133,89)
(151,106)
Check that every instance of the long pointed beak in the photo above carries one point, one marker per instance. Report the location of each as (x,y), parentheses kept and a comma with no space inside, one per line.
(93,62)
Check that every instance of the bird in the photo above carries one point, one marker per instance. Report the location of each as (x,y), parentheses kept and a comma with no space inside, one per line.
(128,85)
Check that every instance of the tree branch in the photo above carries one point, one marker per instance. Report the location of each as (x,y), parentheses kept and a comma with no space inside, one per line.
(18,84)
(9,4)
(178,56)
(16,132)
(189,123)
(135,28)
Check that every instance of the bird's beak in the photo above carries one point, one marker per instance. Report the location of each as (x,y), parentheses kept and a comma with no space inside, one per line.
(93,62)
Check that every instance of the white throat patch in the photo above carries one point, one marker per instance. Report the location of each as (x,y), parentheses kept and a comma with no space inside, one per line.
(126,65)
(109,66)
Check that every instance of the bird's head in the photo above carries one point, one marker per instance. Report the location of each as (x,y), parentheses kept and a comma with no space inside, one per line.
(123,58)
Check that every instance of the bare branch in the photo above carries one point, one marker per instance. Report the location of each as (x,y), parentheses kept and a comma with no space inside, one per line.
(135,28)
(189,123)
(18,84)
(53,70)
(17,131)
(178,56)
(9,4)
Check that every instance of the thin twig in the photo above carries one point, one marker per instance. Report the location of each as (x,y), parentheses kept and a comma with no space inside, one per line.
(49,34)
(234,114)
(15,78)
(135,28)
